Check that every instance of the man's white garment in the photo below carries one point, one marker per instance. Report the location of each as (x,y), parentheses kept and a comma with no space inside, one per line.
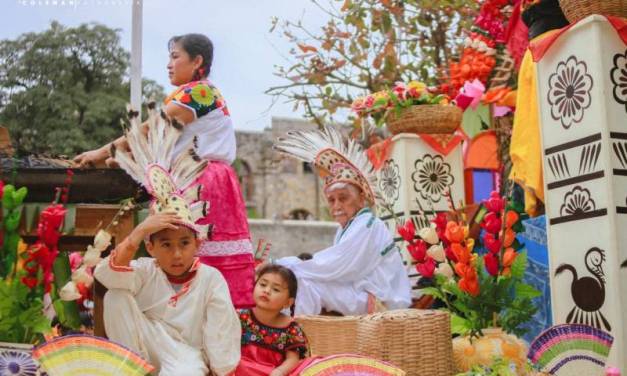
(179,333)
(362,260)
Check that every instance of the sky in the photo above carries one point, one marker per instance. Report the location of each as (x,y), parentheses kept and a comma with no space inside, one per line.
(245,51)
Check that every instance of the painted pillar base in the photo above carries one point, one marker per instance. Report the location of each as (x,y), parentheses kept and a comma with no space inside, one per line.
(584,138)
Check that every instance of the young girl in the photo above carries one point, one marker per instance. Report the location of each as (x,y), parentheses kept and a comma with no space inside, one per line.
(272,343)
(207,124)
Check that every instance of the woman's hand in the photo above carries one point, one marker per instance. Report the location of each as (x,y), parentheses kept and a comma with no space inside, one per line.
(92,158)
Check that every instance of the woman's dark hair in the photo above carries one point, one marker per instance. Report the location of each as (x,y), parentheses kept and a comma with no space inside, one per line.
(194,45)
(287,276)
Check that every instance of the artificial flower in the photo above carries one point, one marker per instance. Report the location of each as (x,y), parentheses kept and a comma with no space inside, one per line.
(495,203)
(92,256)
(508,257)
(418,250)
(470,95)
(448,251)
(429,235)
(30,282)
(511,217)
(492,244)
(444,269)
(491,223)
(82,275)
(462,253)
(50,221)
(427,268)
(102,240)
(436,252)
(75,260)
(470,285)
(491,263)
(69,292)
(407,231)
(508,237)
(454,232)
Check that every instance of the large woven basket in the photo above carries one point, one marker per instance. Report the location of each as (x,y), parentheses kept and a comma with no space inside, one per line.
(417,341)
(428,118)
(575,10)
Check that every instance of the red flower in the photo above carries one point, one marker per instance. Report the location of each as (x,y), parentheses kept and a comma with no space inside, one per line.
(491,263)
(268,339)
(491,223)
(418,250)
(440,221)
(491,243)
(1,188)
(495,203)
(427,268)
(448,251)
(30,282)
(407,231)
(50,221)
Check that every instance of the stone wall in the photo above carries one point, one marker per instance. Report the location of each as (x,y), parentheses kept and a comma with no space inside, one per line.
(290,238)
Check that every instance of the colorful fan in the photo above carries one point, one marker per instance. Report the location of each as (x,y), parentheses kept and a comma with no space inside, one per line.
(571,349)
(350,365)
(87,355)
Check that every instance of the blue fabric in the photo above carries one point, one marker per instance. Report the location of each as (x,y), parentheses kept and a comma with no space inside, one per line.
(537,274)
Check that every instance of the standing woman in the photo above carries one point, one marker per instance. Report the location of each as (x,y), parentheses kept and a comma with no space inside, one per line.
(201,108)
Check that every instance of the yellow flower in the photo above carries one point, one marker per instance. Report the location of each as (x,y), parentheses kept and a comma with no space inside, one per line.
(416,85)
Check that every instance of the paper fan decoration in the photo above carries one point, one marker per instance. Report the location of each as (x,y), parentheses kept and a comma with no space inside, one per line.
(350,365)
(87,355)
(571,349)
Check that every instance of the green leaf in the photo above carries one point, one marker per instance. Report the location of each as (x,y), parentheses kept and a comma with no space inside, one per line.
(519,265)
(433,291)
(460,325)
(19,195)
(524,290)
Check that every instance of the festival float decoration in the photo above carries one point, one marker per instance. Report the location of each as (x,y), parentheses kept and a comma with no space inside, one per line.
(483,291)
(583,111)
(577,10)
(350,365)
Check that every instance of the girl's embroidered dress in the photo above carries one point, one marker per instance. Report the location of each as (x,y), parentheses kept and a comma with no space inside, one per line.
(229,247)
(264,347)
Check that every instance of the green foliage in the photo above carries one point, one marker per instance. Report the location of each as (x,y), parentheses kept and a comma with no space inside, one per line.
(64,90)
(367,46)
(67,311)
(11,215)
(499,367)
(21,313)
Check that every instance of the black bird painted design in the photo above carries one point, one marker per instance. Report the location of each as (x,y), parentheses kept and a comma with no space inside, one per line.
(588,293)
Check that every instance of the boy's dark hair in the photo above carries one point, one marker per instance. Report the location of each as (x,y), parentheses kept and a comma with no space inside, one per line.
(287,275)
(305,256)
(194,45)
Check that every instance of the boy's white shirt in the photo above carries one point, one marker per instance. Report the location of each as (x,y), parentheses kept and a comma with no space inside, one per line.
(201,314)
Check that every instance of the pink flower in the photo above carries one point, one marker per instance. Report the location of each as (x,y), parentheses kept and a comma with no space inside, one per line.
(75,260)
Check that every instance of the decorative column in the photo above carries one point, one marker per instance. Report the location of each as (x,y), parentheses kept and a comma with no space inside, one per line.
(582,83)
(415,175)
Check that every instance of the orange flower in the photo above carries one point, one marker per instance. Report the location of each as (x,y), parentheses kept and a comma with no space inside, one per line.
(511,217)
(508,237)
(454,232)
(462,253)
(508,257)
(470,285)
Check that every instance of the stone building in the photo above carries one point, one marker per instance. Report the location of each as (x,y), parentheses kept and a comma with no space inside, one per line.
(274,186)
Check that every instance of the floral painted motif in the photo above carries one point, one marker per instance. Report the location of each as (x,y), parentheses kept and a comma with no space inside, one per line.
(281,340)
(569,91)
(432,177)
(17,363)
(618,74)
(200,96)
(577,201)
(390,181)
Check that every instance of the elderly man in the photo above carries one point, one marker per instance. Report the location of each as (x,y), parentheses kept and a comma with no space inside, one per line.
(363,266)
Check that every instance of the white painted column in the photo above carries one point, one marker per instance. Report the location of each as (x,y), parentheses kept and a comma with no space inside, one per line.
(584,141)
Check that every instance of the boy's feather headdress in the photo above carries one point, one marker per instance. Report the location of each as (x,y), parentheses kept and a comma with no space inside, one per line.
(170,179)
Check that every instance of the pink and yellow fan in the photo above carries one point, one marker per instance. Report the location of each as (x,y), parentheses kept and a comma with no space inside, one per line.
(350,365)
(87,355)
(571,349)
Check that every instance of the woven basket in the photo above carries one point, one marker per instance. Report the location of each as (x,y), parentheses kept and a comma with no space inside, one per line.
(417,341)
(427,118)
(575,10)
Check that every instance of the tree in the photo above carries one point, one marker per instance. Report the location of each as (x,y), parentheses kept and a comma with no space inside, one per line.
(366,46)
(64,90)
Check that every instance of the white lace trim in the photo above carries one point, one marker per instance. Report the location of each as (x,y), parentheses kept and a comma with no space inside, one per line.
(225,248)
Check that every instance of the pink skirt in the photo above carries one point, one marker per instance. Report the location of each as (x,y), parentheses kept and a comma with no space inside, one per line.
(229,248)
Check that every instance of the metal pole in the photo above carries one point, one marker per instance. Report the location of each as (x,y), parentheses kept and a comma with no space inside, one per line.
(136,56)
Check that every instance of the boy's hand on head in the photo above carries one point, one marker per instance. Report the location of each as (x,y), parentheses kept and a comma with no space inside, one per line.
(153,224)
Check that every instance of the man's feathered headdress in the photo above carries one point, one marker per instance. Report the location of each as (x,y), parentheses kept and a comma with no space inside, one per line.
(337,160)
(170,179)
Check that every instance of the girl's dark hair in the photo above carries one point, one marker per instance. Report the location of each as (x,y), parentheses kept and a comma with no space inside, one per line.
(194,45)
(287,275)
